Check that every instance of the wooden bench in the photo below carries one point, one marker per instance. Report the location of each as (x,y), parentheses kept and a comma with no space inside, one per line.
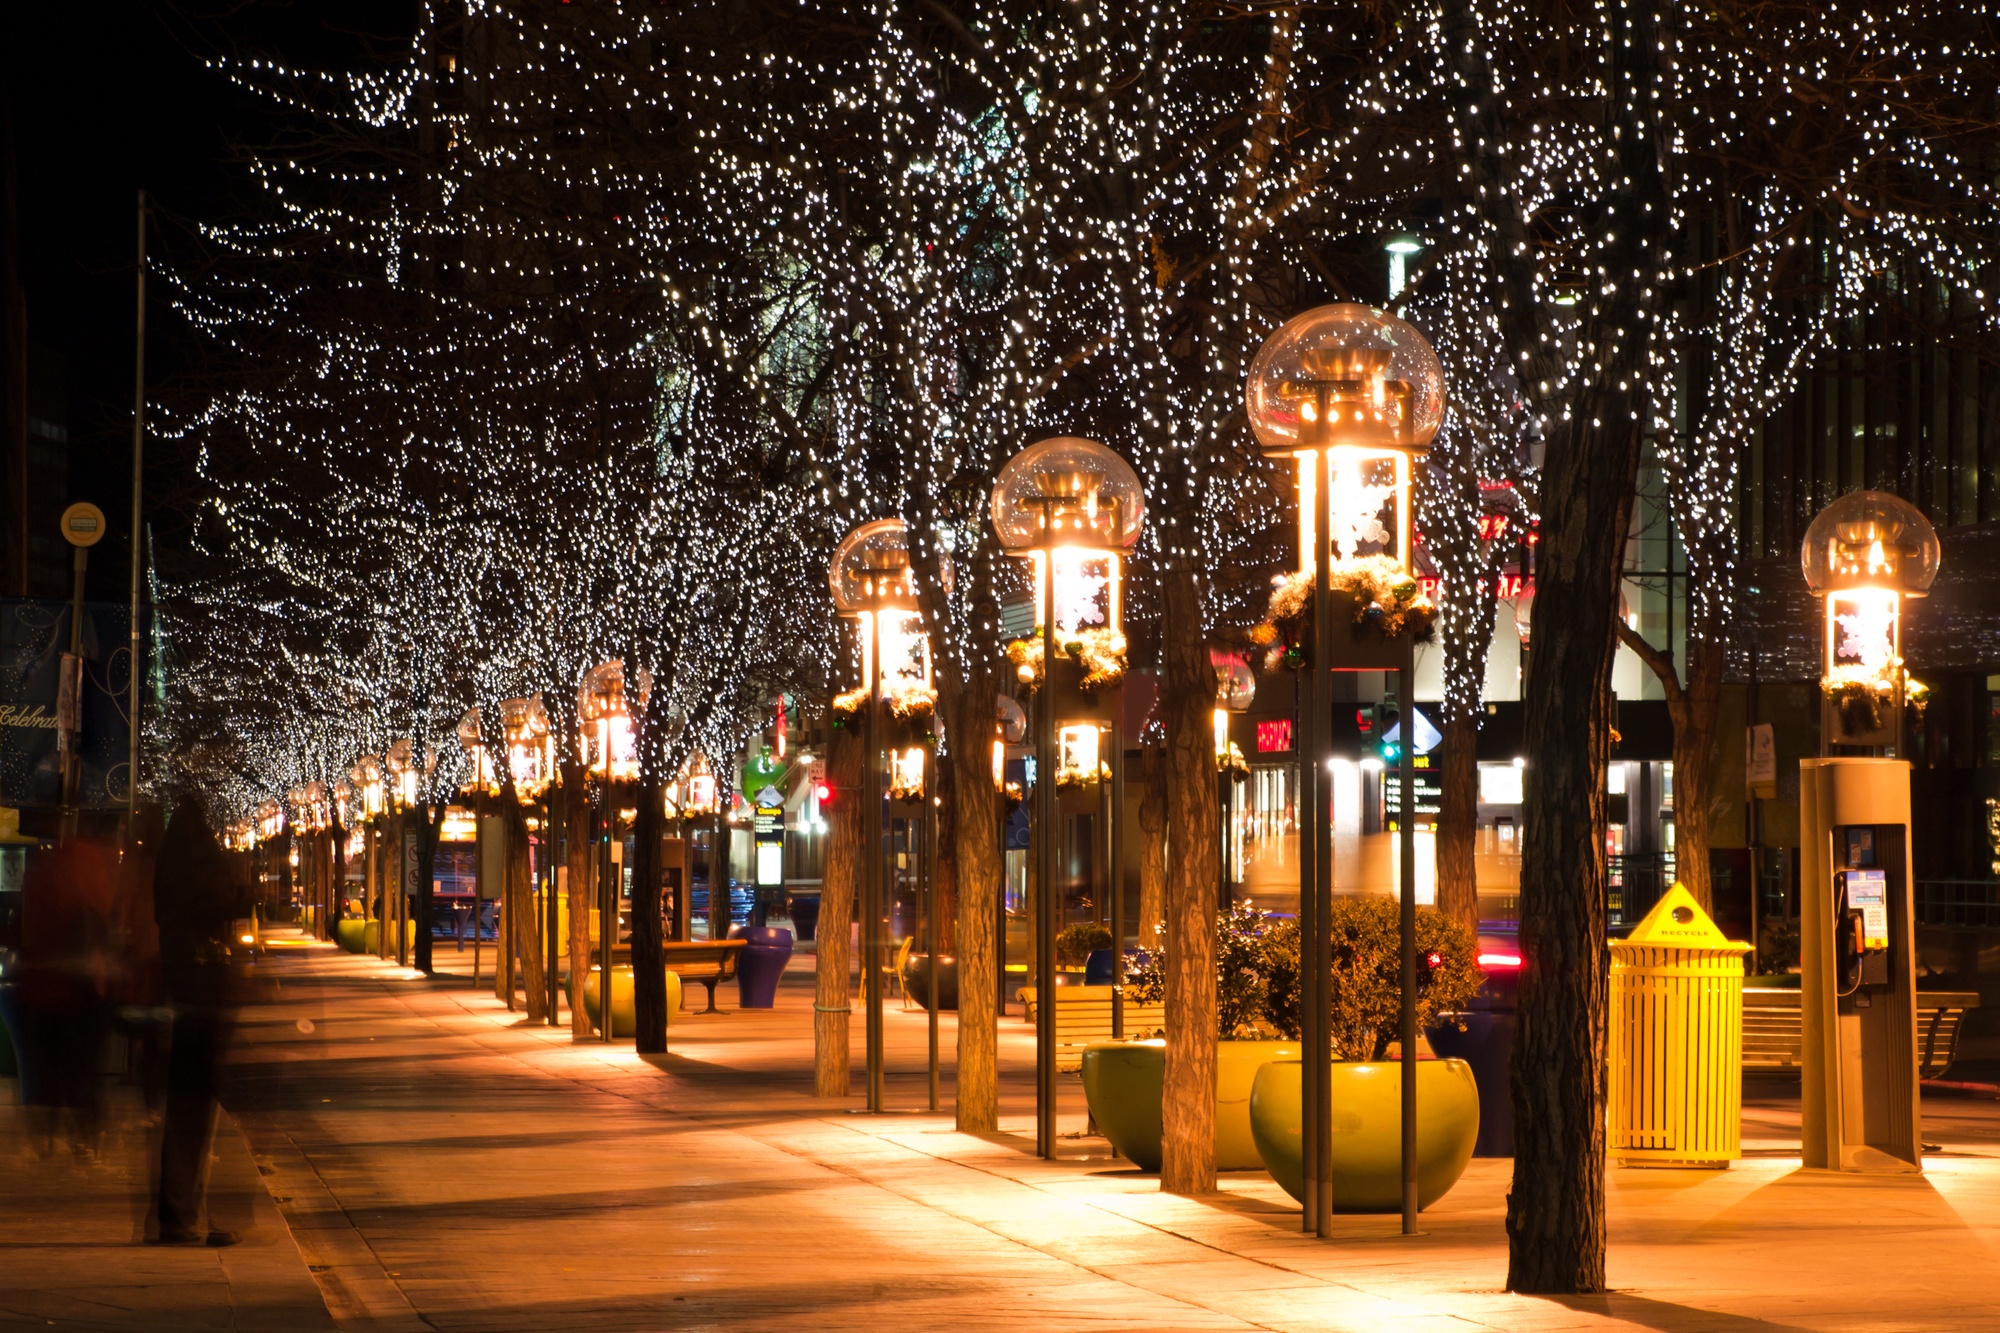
(706,961)
(1083,1016)
(1771,1038)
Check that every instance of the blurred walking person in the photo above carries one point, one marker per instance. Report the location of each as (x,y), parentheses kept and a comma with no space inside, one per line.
(67,977)
(198,896)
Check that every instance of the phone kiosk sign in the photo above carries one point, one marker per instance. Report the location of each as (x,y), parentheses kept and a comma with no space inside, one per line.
(769,830)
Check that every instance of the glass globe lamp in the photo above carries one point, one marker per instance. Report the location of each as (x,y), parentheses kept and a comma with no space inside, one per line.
(1074,506)
(368,780)
(610,749)
(1870,540)
(1345,375)
(1068,491)
(1353,393)
(870,579)
(524,723)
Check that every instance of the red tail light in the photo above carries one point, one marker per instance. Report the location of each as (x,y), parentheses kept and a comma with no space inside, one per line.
(1489,961)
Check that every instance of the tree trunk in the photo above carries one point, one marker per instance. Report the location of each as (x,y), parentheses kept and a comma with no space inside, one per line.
(522,935)
(1692,710)
(974,820)
(1694,753)
(1152,848)
(574,807)
(1555,1211)
(845,752)
(1458,823)
(1187,705)
(428,830)
(649,963)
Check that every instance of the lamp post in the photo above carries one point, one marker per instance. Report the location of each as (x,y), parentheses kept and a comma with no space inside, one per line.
(870,580)
(702,802)
(1235,691)
(370,783)
(1863,554)
(1355,395)
(341,819)
(482,785)
(611,758)
(531,762)
(1071,508)
(401,763)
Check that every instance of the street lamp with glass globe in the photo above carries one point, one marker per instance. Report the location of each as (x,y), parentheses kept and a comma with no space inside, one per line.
(1863,555)
(872,582)
(1072,509)
(1356,396)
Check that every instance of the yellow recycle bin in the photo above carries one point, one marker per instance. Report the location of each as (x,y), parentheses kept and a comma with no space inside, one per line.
(1676,1040)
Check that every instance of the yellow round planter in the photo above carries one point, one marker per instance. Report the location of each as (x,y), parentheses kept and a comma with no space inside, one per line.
(371,936)
(624,1018)
(1123,1079)
(1367,1131)
(349,934)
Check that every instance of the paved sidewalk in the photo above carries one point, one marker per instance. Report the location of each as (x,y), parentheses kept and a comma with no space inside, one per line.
(443,1165)
(501,1176)
(71,1251)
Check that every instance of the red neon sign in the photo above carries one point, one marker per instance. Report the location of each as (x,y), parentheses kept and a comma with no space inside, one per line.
(1274,736)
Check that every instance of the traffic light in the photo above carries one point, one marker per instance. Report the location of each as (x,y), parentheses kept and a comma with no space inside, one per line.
(1386,718)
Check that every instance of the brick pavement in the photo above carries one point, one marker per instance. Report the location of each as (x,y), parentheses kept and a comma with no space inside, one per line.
(444,1165)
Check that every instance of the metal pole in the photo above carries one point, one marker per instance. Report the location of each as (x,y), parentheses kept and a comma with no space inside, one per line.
(478,878)
(928,826)
(72,773)
(1117,873)
(607,918)
(871,868)
(552,887)
(1406,836)
(138,488)
(1316,871)
(1044,838)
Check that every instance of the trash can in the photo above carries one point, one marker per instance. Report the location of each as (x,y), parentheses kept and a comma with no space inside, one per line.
(760,964)
(1675,1071)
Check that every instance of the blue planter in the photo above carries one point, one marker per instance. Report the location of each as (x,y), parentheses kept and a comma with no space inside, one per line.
(1486,1044)
(760,965)
(805,915)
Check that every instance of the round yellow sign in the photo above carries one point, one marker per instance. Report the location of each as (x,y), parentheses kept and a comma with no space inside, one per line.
(83,524)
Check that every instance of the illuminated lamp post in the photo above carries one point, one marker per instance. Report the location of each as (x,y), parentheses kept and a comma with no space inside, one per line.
(869,577)
(531,766)
(482,785)
(346,821)
(372,792)
(701,802)
(1235,691)
(1355,395)
(1071,508)
(1863,554)
(611,757)
(401,765)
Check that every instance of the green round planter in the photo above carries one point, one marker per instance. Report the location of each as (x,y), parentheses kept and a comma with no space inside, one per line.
(1123,1079)
(624,1019)
(349,933)
(1367,1131)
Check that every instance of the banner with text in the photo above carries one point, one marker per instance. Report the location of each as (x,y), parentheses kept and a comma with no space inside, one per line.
(34,637)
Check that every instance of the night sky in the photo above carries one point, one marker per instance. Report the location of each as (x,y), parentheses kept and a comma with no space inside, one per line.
(103,99)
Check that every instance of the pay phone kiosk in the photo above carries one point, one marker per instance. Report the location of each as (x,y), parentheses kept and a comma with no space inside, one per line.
(1857,963)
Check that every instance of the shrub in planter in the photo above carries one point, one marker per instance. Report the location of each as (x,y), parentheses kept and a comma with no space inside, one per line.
(1074,944)
(1257,991)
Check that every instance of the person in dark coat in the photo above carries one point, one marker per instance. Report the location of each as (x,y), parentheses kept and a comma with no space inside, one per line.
(198,896)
